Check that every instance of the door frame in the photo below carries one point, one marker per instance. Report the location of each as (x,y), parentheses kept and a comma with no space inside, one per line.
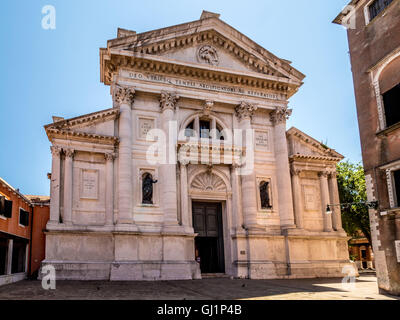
(226,227)
(221,235)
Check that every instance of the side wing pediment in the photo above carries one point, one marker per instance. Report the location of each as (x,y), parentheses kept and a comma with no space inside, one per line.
(302,145)
(95,125)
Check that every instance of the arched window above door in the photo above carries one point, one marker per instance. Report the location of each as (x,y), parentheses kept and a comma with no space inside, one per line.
(206,127)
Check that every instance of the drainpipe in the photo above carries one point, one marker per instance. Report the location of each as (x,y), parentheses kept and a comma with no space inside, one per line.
(288,264)
(248,251)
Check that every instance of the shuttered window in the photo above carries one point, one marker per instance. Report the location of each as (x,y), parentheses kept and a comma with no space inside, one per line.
(5,207)
(23,217)
(377,7)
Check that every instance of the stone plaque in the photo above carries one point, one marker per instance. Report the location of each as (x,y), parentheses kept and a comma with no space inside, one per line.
(145,125)
(261,140)
(311,200)
(90,184)
(397,245)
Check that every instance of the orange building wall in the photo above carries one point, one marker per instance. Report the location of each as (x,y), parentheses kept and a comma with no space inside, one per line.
(12,226)
(41,215)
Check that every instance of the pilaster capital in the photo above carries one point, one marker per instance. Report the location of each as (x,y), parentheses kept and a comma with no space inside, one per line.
(124,95)
(110,156)
(333,175)
(280,115)
(323,174)
(69,153)
(168,100)
(245,111)
(55,151)
(183,162)
(295,171)
(236,165)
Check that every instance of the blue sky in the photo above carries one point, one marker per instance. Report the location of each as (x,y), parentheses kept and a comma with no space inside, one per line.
(56,72)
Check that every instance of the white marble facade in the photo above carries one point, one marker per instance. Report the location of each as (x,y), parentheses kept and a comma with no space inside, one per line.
(203,73)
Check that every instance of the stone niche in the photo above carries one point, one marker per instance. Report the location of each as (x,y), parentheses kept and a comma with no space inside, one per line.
(88,189)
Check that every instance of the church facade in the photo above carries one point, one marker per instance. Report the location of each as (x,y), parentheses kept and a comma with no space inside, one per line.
(192,171)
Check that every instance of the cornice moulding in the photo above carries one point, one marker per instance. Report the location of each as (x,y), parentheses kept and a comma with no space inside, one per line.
(80,136)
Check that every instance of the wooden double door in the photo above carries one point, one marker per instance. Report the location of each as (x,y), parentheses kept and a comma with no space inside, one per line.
(209,244)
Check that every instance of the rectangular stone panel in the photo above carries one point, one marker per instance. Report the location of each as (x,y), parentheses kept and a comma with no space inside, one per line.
(89,184)
(145,125)
(261,140)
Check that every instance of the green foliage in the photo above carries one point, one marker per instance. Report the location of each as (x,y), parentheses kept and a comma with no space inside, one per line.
(351,183)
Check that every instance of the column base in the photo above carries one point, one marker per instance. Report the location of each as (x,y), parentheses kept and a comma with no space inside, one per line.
(125,227)
(255,228)
(175,228)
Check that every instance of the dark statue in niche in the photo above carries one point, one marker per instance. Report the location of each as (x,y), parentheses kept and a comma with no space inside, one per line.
(147,188)
(264,195)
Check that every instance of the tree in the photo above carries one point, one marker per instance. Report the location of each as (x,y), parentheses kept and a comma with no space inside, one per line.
(351,183)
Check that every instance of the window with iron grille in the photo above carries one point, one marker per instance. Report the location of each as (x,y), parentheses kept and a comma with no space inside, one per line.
(377,7)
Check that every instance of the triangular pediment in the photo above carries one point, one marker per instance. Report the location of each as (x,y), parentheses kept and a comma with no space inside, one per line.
(302,145)
(208,42)
(97,126)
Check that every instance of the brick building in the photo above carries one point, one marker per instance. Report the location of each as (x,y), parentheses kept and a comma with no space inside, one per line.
(373,29)
(22,244)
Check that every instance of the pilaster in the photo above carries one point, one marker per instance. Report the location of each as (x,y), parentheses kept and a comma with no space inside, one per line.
(323,179)
(124,96)
(285,198)
(68,179)
(55,184)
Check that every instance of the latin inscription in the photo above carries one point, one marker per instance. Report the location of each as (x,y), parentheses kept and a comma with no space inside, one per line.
(145,125)
(199,85)
(261,140)
(89,184)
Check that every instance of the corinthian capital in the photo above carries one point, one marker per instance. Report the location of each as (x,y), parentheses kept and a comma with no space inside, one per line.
(124,95)
(168,100)
(245,110)
(69,153)
(55,151)
(295,171)
(109,156)
(280,115)
(323,174)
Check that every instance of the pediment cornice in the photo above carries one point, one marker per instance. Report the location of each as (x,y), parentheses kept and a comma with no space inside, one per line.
(66,128)
(163,66)
(54,133)
(85,120)
(322,152)
(210,30)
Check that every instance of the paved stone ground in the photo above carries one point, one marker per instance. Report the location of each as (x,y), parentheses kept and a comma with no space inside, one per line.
(209,289)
